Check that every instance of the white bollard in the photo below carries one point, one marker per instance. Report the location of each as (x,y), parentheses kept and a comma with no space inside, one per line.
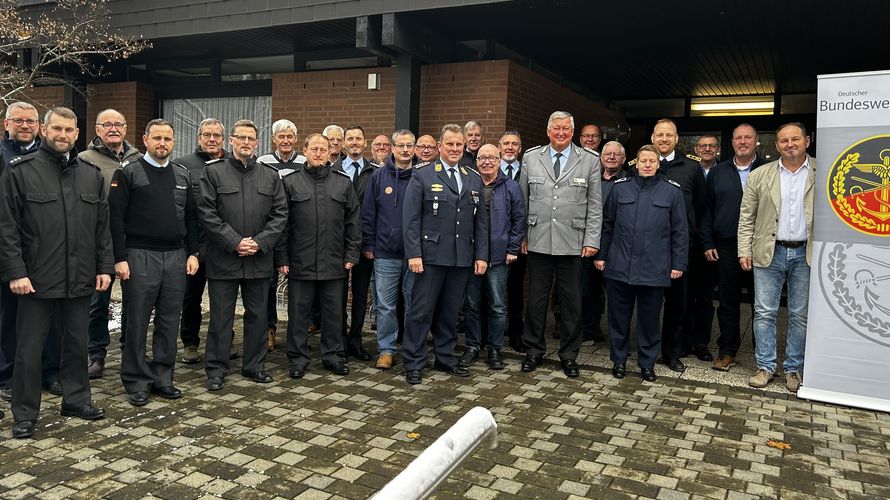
(436,463)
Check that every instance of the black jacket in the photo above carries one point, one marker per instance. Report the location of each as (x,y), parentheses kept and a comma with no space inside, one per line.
(238,202)
(10,149)
(195,164)
(361,184)
(54,225)
(724,195)
(323,229)
(688,174)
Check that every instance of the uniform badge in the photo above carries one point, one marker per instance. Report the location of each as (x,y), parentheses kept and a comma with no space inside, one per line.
(114,184)
(436,188)
(438,167)
(388,190)
(463,170)
(579,181)
(859,186)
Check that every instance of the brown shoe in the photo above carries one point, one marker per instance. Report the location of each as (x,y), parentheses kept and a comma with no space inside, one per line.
(792,381)
(270,333)
(760,378)
(384,362)
(313,328)
(723,363)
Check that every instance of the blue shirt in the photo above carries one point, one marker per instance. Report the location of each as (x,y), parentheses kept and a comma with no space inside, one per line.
(743,172)
(562,159)
(515,164)
(350,169)
(151,161)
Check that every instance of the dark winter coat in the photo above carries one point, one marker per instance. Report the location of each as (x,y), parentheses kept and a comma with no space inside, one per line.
(382,211)
(507,219)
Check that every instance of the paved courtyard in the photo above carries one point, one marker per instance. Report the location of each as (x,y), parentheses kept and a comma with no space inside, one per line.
(345,437)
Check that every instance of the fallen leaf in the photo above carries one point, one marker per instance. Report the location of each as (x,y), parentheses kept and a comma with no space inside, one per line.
(781,445)
(412,435)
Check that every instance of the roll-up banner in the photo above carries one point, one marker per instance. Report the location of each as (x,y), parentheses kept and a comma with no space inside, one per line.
(848,329)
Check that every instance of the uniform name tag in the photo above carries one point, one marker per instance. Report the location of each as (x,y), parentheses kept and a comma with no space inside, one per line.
(182,187)
(579,181)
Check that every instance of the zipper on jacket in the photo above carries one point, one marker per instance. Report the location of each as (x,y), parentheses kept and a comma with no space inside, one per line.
(67,238)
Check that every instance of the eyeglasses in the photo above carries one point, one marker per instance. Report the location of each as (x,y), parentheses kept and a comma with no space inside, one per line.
(403,146)
(244,138)
(380,145)
(590,136)
(211,135)
(30,121)
(111,125)
(612,155)
(425,147)
(707,146)
(487,159)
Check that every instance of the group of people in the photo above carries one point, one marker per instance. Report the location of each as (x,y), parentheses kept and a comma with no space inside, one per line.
(443,228)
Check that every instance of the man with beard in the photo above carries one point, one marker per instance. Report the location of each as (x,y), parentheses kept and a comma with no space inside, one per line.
(56,252)
(509,147)
(381,148)
(108,151)
(320,245)
(153,222)
(211,133)
(425,148)
(243,210)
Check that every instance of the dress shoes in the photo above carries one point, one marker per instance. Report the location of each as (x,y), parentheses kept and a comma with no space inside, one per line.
(190,355)
(297,371)
(6,393)
(723,362)
(234,353)
(675,365)
(530,363)
(702,353)
(54,387)
(359,353)
(570,368)
(517,345)
(471,355)
(648,374)
(495,359)
(338,368)
(619,370)
(413,377)
(86,412)
(214,383)
(96,369)
(168,392)
(23,429)
(138,398)
(260,376)
(456,370)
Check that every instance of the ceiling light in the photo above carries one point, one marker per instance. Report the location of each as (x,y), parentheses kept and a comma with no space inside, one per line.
(732,106)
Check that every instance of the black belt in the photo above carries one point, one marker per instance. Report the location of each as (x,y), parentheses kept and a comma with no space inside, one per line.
(791,244)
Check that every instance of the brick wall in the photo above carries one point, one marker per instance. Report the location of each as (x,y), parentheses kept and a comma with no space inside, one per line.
(135,100)
(44,98)
(314,100)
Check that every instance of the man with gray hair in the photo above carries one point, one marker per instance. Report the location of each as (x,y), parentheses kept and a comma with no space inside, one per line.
(335,135)
(108,151)
(473,135)
(561,183)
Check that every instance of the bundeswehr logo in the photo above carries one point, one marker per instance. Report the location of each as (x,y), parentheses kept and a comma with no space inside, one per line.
(859,186)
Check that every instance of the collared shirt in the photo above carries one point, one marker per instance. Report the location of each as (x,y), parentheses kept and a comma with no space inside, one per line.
(515,168)
(562,159)
(669,157)
(457,178)
(151,161)
(349,167)
(706,170)
(792,213)
(743,171)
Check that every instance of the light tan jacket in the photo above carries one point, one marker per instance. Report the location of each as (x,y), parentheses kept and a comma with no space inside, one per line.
(759,216)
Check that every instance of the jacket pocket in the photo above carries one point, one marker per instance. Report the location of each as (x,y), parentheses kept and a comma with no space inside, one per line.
(90,197)
(300,196)
(578,194)
(339,197)
(430,237)
(41,197)
(265,191)
(228,190)
(532,220)
(579,225)
(536,188)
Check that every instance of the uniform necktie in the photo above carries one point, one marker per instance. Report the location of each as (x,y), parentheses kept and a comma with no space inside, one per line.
(510,170)
(556,165)
(355,166)
(455,179)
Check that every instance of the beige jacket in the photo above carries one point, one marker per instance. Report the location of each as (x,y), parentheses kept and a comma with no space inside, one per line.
(759,216)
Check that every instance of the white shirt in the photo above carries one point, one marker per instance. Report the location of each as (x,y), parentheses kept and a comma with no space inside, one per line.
(669,157)
(792,213)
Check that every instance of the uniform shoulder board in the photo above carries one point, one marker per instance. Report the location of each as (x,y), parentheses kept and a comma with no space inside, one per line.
(624,179)
(375,164)
(694,158)
(474,171)
(19,159)
(344,174)
(422,164)
(284,172)
(267,165)
(671,182)
(124,164)
(211,162)
(592,151)
(529,150)
(632,162)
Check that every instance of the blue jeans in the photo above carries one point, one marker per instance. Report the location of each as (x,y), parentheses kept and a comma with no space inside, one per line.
(495,283)
(390,276)
(788,265)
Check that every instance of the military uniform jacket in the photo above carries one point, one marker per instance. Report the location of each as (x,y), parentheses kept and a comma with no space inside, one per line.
(54,225)
(686,172)
(440,225)
(238,202)
(645,233)
(564,214)
(323,230)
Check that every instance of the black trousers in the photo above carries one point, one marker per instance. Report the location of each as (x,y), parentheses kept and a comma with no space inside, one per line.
(731,278)
(622,298)
(272,303)
(359,283)
(672,334)
(223,294)
(699,300)
(36,317)
(100,338)
(157,281)
(592,298)
(516,298)
(301,294)
(435,302)
(190,325)
(541,270)
(9,306)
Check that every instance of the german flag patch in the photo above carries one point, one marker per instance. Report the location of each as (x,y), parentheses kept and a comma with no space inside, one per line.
(114,184)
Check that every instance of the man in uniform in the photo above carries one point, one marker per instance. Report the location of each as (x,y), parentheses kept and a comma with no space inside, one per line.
(211,134)
(108,151)
(243,209)
(381,147)
(473,136)
(561,183)
(591,137)
(56,252)
(425,148)
(154,227)
(320,245)
(685,171)
(359,170)
(719,234)
(776,241)
(510,147)
(446,238)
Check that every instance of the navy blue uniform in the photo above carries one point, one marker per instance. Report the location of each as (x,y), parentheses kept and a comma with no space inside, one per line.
(645,236)
(449,231)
